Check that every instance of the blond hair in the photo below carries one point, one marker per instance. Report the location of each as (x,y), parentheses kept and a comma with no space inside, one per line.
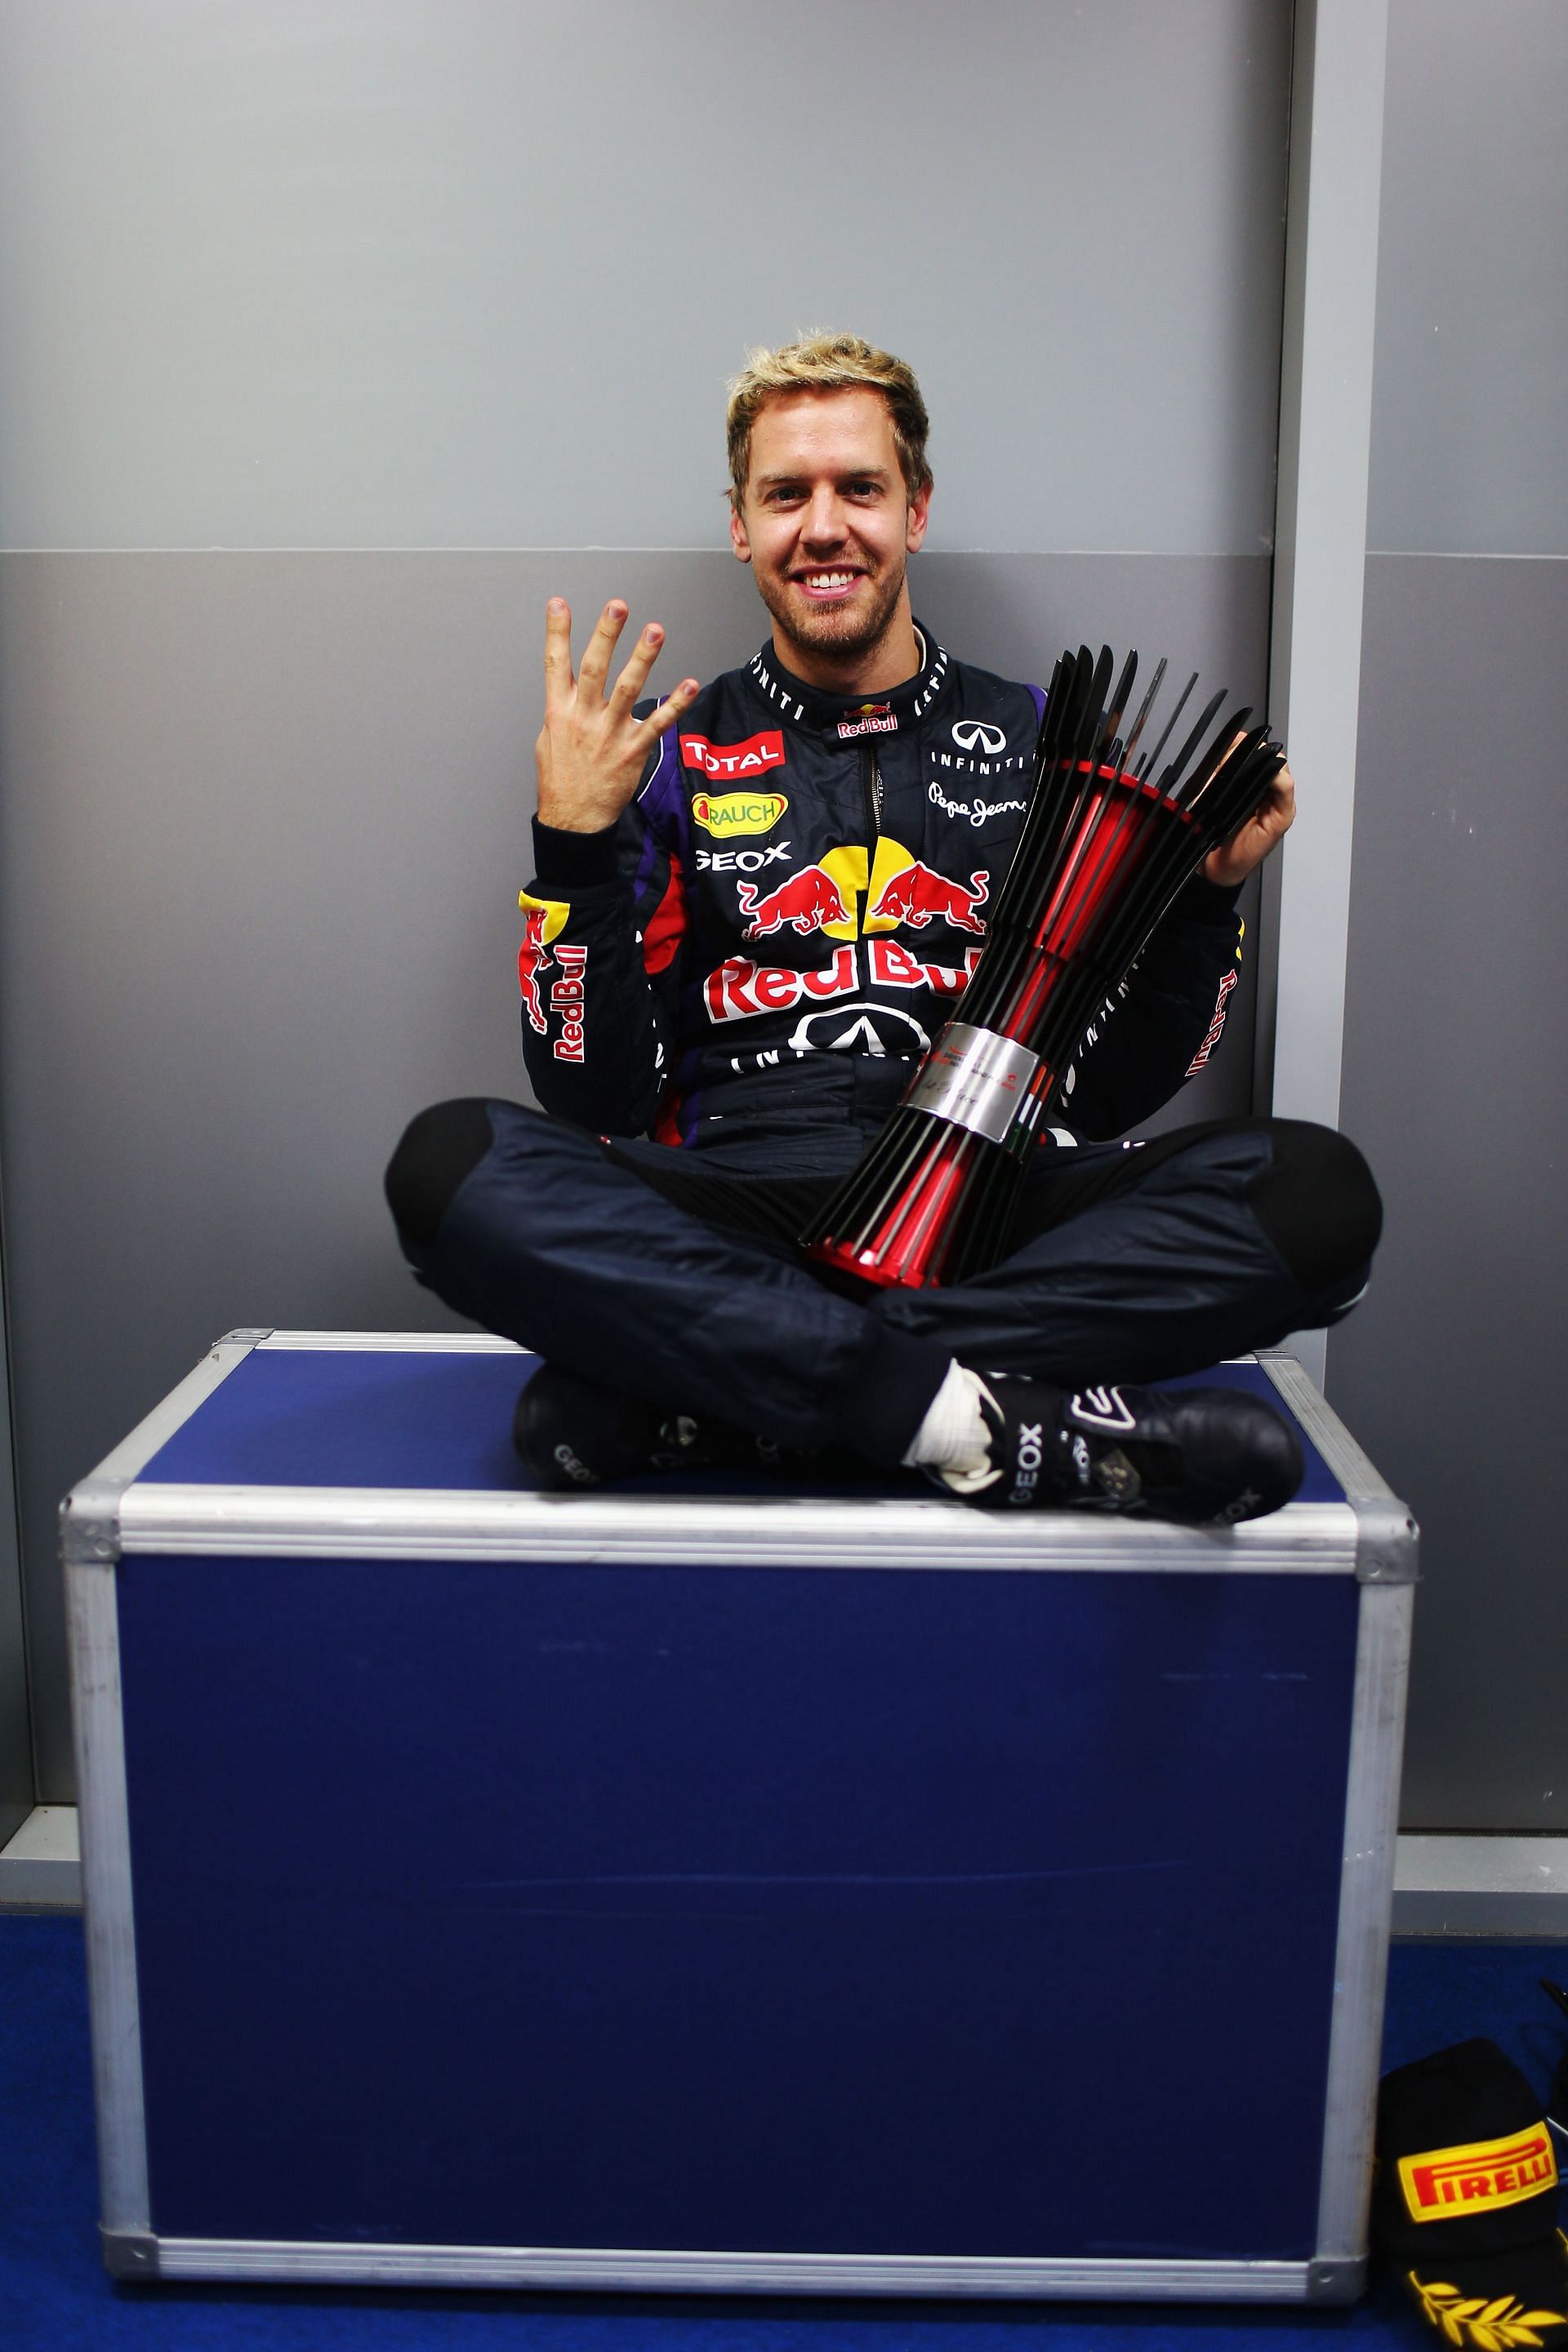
(823,363)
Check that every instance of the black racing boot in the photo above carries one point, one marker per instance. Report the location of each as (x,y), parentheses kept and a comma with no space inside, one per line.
(572,1432)
(1207,1457)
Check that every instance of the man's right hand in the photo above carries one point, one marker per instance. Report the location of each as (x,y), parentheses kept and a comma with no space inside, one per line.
(591,751)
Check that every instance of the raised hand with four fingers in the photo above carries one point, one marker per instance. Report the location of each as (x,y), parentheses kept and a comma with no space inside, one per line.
(591,751)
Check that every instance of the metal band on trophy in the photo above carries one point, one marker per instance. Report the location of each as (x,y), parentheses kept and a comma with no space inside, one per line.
(1105,848)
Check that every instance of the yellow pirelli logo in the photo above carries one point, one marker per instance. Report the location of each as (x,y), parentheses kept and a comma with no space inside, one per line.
(1478,2177)
(728,814)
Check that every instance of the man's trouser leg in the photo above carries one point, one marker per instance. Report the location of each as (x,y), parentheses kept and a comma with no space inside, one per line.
(1141,1265)
(639,1267)
(536,1230)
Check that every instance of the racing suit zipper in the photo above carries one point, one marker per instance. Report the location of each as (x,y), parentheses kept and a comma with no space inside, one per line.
(871,784)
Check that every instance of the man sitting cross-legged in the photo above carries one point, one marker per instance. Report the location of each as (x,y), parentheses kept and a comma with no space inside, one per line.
(755,904)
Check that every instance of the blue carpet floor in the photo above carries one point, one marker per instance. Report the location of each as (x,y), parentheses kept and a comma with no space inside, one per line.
(53,2292)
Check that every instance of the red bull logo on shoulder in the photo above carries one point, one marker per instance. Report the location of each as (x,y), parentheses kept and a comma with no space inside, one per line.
(567,996)
(543,919)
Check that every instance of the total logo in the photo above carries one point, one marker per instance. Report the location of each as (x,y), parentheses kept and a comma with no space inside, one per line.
(735,761)
(898,888)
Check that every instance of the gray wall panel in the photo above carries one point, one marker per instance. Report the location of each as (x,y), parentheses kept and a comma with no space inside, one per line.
(388,273)
(15,1725)
(1454,1371)
(262,827)
(1470,403)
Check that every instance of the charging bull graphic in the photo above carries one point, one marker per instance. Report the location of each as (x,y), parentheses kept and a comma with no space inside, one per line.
(918,895)
(808,901)
(532,958)
(542,918)
(898,888)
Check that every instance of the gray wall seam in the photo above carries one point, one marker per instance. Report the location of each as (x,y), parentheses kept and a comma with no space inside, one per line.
(596,547)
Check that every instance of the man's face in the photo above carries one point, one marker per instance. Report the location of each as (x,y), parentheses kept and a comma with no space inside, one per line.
(827,523)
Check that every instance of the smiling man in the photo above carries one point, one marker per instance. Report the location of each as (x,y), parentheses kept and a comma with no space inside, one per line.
(755,904)
(830,499)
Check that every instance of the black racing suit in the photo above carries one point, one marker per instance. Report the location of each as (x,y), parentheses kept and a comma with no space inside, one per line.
(723,998)
(751,965)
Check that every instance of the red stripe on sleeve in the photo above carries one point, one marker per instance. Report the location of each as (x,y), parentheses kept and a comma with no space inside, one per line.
(665,932)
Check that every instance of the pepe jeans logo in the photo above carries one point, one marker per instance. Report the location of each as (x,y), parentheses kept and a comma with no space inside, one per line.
(1479,2177)
(725,814)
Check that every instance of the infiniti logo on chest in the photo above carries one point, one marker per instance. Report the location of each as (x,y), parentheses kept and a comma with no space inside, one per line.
(968,733)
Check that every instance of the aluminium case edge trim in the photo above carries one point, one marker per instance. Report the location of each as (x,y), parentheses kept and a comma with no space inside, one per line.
(89,1549)
(1387,1565)
(1045,2277)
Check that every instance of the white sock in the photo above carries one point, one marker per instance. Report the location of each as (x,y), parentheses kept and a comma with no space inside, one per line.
(953,1438)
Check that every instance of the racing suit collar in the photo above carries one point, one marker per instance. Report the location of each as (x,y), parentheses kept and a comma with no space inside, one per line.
(844,715)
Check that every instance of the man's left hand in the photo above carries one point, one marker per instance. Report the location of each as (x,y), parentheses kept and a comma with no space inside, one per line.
(1233,860)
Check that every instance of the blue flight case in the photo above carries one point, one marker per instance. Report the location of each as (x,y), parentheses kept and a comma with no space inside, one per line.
(718,1886)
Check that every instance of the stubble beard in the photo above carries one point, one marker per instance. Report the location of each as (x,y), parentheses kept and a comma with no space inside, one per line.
(836,633)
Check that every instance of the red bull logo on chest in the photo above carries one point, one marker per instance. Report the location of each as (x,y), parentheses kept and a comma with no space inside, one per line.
(895,888)
(739,988)
(917,895)
(809,901)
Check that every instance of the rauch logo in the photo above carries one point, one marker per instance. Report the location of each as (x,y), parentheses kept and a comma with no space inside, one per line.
(726,814)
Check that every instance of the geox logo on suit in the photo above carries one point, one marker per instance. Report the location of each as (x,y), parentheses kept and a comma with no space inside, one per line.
(1478,2177)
